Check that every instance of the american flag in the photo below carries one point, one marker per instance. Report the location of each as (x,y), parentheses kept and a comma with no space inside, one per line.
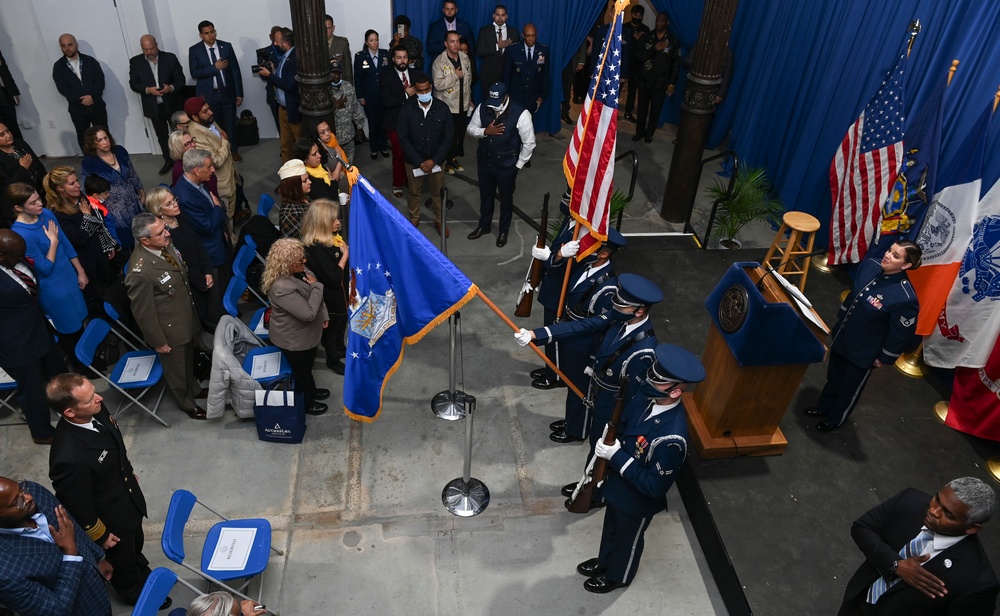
(864,169)
(589,163)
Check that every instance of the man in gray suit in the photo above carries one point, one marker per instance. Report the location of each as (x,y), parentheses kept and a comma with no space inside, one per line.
(157,282)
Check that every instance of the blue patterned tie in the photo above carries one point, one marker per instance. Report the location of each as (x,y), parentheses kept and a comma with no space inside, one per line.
(914,548)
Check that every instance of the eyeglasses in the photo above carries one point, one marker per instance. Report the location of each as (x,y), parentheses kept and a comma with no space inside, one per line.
(189,144)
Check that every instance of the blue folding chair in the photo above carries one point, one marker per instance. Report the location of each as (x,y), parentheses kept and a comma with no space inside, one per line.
(155,591)
(113,314)
(8,387)
(264,205)
(256,549)
(244,257)
(231,301)
(121,379)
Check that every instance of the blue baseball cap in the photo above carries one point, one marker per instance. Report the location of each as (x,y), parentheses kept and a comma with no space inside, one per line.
(496,94)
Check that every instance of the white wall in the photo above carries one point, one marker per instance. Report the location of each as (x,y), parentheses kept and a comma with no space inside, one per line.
(30,30)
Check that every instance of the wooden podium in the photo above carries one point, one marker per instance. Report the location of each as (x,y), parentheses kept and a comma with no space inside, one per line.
(758,349)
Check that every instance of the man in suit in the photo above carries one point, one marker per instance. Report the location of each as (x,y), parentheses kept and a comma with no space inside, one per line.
(80,79)
(923,555)
(10,99)
(643,462)
(526,71)
(633,32)
(449,22)
(286,91)
(210,137)
(214,65)
(491,45)
(162,305)
(396,86)
(157,77)
(339,48)
(92,476)
(207,215)
(28,355)
(47,564)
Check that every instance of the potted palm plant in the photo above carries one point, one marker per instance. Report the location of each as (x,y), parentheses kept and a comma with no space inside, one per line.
(752,199)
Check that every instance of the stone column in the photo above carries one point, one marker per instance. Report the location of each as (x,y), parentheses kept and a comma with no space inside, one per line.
(313,66)
(698,109)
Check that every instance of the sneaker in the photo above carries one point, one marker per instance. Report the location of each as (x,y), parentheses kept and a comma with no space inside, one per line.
(449,169)
(397,192)
(457,166)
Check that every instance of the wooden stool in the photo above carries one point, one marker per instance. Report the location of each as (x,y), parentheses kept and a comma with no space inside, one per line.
(791,255)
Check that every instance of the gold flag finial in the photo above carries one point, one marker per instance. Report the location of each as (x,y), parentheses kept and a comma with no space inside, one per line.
(914,30)
(951,71)
(996,100)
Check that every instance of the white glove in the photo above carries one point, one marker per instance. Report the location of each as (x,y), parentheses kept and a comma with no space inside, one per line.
(588,371)
(523,337)
(569,249)
(607,451)
(542,254)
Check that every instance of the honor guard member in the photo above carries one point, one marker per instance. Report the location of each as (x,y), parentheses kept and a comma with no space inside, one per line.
(94,479)
(157,281)
(643,463)
(626,348)
(591,290)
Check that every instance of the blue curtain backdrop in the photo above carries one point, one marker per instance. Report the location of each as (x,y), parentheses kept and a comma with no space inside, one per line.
(803,71)
(561,25)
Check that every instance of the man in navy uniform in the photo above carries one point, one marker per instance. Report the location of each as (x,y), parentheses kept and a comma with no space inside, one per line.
(625,350)
(526,71)
(923,554)
(643,462)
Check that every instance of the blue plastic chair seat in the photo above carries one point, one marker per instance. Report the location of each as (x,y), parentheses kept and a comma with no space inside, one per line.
(284,369)
(155,373)
(255,322)
(259,551)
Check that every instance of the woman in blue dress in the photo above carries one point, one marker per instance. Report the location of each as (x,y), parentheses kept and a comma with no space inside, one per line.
(110,161)
(61,278)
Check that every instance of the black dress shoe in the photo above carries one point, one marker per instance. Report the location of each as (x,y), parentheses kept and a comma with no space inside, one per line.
(629,117)
(636,137)
(562,437)
(537,373)
(501,240)
(322,394)
(165,169)
(567,119)
(527,164)
(385,154)
(337,366)
(569,501)
(317,408)
(477,233)
(544,383)
(812,410)
(374,154)
(558,426)
(166,604)
(567,490)
(602,584)
(197,413)
(647,140)
(591,568)
(824,426)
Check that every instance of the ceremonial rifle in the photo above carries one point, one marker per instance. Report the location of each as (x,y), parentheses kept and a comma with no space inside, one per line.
(598,467)
(534,276)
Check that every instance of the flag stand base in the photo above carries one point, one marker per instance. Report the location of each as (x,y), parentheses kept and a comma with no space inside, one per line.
(466,496)
(941,411)
(449,405)
(821,263)
(993,466)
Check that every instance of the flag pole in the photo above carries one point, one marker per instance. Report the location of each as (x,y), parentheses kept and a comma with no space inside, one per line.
(996,100)
(534,348)
(914,31)
(951,71)
(565,282)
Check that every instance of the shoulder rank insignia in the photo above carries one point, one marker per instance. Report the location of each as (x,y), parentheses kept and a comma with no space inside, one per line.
(138,266)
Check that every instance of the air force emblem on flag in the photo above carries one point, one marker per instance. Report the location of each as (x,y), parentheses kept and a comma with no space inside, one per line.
(983,261)
(374,315)
(937,232)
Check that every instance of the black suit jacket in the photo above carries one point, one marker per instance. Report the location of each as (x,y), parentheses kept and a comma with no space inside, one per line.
(22,325)
(204,71)
(964,568)
(491,70)
(168,72)
(8,89)
(91,81)
(393,94)
(93,478)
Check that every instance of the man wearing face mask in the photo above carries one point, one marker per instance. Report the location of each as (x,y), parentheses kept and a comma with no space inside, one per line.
(507,138)
(625,350)
(643,462)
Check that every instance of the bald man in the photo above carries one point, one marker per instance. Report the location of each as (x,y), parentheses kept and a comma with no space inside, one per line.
(157,77)
(80,79)
(526,71)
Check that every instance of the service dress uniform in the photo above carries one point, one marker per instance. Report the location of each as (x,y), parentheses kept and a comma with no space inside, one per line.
(553,271)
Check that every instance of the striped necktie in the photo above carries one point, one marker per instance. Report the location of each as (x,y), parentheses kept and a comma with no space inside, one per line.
(28,281)
(914,548)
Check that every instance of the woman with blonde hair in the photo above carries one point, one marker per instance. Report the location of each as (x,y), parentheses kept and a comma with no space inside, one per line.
(298,316)
(84,225)
(326,256)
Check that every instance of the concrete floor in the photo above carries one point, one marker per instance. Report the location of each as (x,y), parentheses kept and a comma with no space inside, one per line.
(357,507)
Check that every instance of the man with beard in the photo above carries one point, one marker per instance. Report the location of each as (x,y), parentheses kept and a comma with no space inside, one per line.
(213,64)
(210,137)
(396,86)
(449,22)
(80,79)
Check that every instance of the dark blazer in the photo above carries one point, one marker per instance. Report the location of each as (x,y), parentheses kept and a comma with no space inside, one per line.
(11,170)
(425,137)
(491,69)
(324,262)
(393,94)
(168,72)
(22,324)
(204,71)
(90,82)
(964,567)
(208,220)
(527,82)
(366,76)
(437,31)
(94,479)
(34,578)
(188,245)
(9,87)
(288,84)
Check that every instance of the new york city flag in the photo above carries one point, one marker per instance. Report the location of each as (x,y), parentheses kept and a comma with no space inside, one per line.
(401,286)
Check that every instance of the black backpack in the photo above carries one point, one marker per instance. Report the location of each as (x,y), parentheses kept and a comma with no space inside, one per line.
(247,131)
